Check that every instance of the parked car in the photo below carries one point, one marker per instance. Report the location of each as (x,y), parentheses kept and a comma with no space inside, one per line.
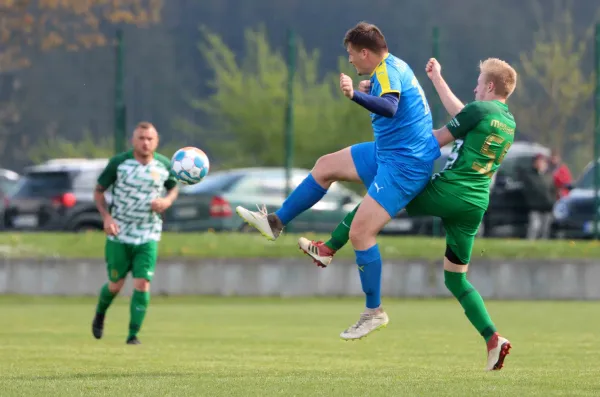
(507,214)
(56,195)
(574,214)
(210,205)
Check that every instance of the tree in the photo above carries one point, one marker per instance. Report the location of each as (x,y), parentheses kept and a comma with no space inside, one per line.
(553,99)
(88,147)
(30,26)
(70,24)
(247,107)
(58,147)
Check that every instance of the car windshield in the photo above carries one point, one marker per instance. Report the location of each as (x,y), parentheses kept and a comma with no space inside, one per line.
(43,183)
(586,181)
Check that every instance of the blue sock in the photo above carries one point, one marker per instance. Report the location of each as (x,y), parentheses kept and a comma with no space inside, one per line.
(307,194)
(369,268)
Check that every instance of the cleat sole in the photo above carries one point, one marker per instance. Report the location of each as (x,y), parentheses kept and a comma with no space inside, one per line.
(265,235)
(504,351)
(364,336)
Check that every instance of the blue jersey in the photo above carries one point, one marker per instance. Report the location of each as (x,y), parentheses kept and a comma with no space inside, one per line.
(408,136)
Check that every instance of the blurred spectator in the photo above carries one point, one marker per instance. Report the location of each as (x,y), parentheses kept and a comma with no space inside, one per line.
(540,195)
(560,174)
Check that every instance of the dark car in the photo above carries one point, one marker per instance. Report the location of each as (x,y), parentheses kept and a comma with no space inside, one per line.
(210,205)
(574,214)
(56,195)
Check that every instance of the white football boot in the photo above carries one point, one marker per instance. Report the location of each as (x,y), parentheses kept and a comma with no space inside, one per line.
(498,348)
(369,321)
(267,224)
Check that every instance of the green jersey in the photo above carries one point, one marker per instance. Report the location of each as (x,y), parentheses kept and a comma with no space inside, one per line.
(484,131)
(133,187)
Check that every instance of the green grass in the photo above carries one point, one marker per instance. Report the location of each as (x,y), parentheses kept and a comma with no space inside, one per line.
(269,347)
(234,245)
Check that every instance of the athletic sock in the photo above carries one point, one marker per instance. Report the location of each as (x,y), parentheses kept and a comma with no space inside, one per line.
(307,194)
(369,269)
(104,300)
(138,308)
(471,301)
(341,234)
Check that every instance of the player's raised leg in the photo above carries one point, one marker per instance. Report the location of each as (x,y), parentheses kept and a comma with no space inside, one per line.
(460,235)
(322,252)
(338,166)
(364,157)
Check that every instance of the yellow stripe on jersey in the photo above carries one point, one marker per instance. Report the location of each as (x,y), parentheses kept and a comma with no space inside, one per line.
(381,74)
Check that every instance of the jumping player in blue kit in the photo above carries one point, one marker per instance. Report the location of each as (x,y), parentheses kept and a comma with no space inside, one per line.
(394,168)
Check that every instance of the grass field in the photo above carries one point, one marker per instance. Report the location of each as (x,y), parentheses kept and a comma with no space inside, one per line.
(234,245)
(269,347)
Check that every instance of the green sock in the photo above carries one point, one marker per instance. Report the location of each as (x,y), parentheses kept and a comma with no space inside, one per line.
(105,299)
(341,234)
(471,301)
(138,308)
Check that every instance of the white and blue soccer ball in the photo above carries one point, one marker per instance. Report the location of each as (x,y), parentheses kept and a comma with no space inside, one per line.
(189,165)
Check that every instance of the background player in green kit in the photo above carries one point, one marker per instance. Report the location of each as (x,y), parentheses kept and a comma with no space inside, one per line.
(483,132)
(137,178)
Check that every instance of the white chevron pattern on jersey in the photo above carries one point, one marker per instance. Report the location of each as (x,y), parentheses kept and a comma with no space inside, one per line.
(132,193)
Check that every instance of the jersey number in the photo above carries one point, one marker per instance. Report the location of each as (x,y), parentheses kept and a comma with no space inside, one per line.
(453,155)
(486,150)
(415,84)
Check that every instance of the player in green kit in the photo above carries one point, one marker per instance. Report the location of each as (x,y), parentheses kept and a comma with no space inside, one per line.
(483,132)
(138,179)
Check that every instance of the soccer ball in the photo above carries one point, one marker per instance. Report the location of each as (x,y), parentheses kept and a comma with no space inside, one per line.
(190,165)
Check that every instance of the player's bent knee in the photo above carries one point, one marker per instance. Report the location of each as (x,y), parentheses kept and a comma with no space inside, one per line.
(141,284)
(326,169)
(452,262)
(355,234)
(115,287)
(334,167)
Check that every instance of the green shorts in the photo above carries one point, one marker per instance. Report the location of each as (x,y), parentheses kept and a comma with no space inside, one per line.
(461,219)
(122,258)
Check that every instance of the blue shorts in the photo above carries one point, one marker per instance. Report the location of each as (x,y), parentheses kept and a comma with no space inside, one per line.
(393,186)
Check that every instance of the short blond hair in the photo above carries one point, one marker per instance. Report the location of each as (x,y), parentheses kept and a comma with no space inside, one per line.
(501,74)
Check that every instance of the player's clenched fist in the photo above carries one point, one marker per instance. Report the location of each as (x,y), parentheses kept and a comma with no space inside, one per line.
(365,86)
(433,69)
(346,85)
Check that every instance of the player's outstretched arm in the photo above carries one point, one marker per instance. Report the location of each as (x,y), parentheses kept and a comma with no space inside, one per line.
(451,103)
